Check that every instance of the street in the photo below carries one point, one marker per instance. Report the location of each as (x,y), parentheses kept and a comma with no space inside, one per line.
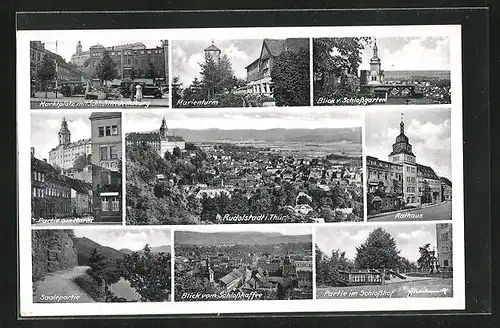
(437,212)
(61,284)
(51,102)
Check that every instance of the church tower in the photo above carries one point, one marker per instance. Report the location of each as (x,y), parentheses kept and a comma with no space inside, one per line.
(212,52)
(79,47)
(163,129)
(402,153)
(64,134)
(376,73)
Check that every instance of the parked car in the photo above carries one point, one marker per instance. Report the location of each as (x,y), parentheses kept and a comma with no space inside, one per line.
(147,89)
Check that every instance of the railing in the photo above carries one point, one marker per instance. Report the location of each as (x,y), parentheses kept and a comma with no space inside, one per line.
(362,278)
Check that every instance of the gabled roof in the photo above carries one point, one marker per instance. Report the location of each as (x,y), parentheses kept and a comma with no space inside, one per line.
(427,172)
(445,181)
(212,47)
(275,47)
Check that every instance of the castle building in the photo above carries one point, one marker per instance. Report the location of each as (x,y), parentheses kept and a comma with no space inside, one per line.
(259,71)
(159,140)
(133,60)
(66,152)
(444,246)
(401,180)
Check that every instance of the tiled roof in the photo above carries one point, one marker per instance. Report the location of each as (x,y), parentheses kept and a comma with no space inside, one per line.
(142,137)
(427,172)
(276,47)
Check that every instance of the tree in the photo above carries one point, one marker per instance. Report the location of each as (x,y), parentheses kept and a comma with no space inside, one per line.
(105,69)
(215,78)
(379,251)
(290,76)
(176,90)
(149,273)
(46,72)
(334,58)
(80,163)
(328,267)
(426,258)
(104,270)
(176,152)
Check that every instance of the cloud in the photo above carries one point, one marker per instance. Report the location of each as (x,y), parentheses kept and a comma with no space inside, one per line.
(133,239)
(409,54)
(429,132)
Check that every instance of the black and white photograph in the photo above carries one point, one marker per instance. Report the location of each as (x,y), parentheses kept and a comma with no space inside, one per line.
(383,70)
(195,167)
(241,73)
(386,261)
(409,165)
(76,168)
(111,265)
(106,73)
(243,264)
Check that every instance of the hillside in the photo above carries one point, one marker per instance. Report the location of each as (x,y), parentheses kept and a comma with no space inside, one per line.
(85,247)
(237,238)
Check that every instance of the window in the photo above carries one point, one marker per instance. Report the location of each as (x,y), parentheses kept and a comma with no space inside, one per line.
(113,154)
(101,131)
(104,153)
(108,131)
(104,204)
(115,204)
(114,130)
(445,262)
(34,192)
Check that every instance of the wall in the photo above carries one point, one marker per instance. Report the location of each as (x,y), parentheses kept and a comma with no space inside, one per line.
(52,250)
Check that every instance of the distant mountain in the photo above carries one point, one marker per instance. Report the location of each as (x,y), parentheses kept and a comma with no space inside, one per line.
(237,238)
(423,73)
(272,135)
(126,251)
(157,249)
(85,247)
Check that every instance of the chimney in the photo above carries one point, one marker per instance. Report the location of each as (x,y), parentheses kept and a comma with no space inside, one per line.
(45,160)
(33,151)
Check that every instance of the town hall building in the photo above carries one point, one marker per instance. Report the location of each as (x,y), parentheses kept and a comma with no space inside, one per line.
(401,180)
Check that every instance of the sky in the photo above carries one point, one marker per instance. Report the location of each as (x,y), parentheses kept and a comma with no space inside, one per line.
(410,53)
(186,56)
(133,239)
(284,229)
(234,120)
(68,48)
(409,237)
(45,128)
(428,130)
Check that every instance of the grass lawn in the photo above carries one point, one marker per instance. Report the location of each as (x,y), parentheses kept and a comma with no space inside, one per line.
(436,287)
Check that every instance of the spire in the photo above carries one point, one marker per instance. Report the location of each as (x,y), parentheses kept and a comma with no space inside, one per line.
(402,124)
(375,48)
(64,133)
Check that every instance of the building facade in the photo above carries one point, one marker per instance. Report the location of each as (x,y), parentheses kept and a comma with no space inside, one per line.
(159,140)
(446,189)
(444,240)
(133,60)
(401,180)
(106,165)
(65,154)
(64,71)
(259,71)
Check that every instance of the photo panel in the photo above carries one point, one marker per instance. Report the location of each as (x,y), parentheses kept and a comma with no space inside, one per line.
(76,168)
(101,265)
(109,73)
(241,73)
(409,165)
(381,70)
(236,263)
(192,167)
(384,261)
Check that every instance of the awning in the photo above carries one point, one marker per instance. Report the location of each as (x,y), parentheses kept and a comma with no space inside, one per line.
(377,199)
(111,193)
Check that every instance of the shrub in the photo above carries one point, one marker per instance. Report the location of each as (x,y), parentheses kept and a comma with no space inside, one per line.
(91,286)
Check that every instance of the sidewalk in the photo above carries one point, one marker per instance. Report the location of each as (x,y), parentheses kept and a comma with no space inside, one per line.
(405,210)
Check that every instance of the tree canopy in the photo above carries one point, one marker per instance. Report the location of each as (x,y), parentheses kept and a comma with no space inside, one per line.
(290,76)
(378,251)
(105,69)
